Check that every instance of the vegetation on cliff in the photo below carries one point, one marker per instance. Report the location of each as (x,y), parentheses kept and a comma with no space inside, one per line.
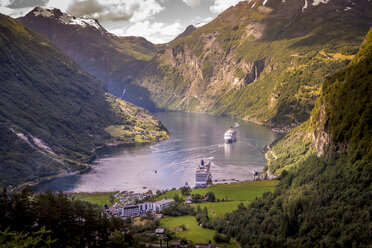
(324,200)
(264,63)
(54,115)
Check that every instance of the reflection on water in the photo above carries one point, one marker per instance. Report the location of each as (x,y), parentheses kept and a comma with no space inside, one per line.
(227,149)
(172,163)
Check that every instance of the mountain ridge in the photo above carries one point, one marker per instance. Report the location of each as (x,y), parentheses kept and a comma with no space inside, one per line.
(53,114)
(324,199)
(258,62)
(115,60)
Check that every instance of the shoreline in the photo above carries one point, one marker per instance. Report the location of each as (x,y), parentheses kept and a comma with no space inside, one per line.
(111,148)
(98,152)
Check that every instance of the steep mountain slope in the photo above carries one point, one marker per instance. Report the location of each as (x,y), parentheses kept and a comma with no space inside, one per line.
(261,60)
(115,60)
(325,200)
(53,115)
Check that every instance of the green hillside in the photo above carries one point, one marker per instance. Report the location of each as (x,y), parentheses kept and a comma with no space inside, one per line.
(324,198)
(53,115)
(264,63)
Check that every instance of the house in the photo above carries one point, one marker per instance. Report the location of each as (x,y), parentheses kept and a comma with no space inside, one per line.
(188,200)
(160,231)
(113,212)
(176,243)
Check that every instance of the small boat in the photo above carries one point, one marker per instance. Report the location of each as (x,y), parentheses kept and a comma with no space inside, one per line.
(230,135)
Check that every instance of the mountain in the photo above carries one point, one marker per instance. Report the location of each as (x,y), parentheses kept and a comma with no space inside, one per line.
(115,60)
(53,115)
(325,198)
(261,60)
(186,33)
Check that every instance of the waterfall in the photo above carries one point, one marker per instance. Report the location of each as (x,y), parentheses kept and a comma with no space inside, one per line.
(122,95)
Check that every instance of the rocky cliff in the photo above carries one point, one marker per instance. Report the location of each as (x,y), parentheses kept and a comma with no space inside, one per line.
(263,61)
(340,121)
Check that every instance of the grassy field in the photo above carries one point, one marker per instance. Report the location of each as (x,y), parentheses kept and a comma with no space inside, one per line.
(95,198)
(233,194)
(219,209)
(245,191)
(193,231)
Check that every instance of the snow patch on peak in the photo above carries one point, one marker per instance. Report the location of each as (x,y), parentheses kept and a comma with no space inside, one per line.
(316,2)
(83,22)
(43,12)
(67,18)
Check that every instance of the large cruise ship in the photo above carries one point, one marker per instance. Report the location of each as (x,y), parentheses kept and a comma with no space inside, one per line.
(203,173)
(230,135)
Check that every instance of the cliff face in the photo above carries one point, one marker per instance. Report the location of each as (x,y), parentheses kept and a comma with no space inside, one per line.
(340,121)
(261,60)
(325,168)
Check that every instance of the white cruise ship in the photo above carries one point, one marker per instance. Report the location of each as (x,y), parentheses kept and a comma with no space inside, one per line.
(230,135)
(203,173)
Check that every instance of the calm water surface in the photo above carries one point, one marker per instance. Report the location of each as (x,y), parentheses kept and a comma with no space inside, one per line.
(194,136)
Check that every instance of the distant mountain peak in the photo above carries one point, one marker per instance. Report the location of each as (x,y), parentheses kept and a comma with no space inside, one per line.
(65,18)
(186,33)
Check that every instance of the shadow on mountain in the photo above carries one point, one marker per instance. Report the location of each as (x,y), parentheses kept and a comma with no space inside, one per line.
(64,184)
(139,96)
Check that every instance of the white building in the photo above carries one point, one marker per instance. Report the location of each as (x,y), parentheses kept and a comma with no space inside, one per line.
(129,210)
(142,208)
(154,206)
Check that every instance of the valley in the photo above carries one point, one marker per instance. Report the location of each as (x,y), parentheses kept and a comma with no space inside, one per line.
(109,130)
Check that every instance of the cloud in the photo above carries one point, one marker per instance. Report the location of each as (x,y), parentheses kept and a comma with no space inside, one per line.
(199,21)
(115,10)
(157,32)
(17,4)
(221,5)
(192,3)
(16,8)
(14,12)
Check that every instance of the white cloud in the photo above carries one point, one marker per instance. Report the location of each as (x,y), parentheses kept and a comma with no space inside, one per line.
(205,21)
(221,5)
(4,9)
(62,5)
(156,32)
(103,10)
(115,10)
(14,12)
(192,3)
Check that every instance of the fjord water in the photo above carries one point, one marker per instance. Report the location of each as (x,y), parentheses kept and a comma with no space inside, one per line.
(172,163)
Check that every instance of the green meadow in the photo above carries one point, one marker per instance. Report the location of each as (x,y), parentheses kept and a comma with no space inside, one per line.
(244,191)
(232,194)
(94,198)
(193,231)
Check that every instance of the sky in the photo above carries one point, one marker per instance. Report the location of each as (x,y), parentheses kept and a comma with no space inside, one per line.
(159,21)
